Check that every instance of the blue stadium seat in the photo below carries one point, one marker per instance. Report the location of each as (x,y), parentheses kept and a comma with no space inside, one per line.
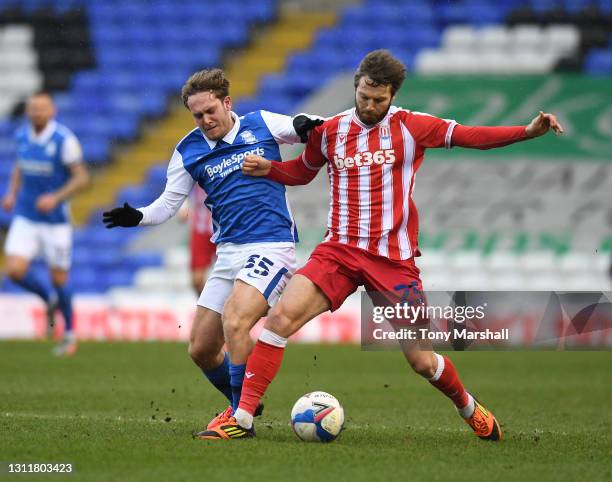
(82,256)
(135,11)
(157,175)
(484,13)
(85,280)
(261,11)
(575,6)
(453,13)
(95,150)
(107,34)
(327,38)
(30,6)
(282,104)
(542,6)
(107,259)
(416,14)
(7,148)
(605,6)
(7,127)
(6,168)
(599,61)
(352,15)
(137,195)
(116,277)
(143,260)
(98,237)
(123,126)
(102,14)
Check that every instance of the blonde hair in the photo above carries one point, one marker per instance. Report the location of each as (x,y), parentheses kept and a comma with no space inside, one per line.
(207,80)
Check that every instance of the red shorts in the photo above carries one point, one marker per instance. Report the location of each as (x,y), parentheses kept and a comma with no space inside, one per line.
(338,270)
(202,250)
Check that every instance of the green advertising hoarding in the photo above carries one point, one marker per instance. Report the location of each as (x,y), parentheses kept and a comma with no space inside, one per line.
(582,103)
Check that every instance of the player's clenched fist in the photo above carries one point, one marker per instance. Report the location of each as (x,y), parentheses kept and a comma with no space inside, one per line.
(257,166)
(541,124)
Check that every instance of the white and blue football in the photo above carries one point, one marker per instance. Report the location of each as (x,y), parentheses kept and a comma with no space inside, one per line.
(317,417)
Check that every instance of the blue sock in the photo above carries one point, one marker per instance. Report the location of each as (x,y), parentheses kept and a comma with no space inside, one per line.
(236,378)
(64,303)
(33,284)
(220,378)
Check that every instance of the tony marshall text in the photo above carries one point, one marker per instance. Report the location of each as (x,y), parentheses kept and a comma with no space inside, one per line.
(425,334)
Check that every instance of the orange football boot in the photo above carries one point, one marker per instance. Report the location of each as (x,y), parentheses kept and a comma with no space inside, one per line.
(226,430)
(484,424)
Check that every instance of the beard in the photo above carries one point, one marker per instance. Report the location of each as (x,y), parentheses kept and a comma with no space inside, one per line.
(371,119)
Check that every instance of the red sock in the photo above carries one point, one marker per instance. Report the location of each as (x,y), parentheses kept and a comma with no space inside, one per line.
(447,381)
(262,366)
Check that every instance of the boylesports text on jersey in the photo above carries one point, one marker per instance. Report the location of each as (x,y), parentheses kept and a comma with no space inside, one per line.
(231,164)
(365,158)
(34,167)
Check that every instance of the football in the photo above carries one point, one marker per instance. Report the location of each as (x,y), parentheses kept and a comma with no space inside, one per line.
(317,417)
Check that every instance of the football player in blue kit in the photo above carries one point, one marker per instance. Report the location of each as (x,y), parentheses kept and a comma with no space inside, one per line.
(48,171)
(254,229)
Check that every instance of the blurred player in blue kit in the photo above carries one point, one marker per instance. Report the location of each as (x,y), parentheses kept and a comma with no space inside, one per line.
(49,169)
(254,229)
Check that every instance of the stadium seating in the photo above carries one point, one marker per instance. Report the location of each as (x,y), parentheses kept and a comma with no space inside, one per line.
(473,37)
(139,63)
(116,65)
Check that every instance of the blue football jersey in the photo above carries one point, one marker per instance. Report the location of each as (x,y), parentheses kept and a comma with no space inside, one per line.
(244,209)
(44,161)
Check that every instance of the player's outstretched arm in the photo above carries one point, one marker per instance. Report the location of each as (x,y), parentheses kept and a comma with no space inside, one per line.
(482,137)
(158,212)
(289,173)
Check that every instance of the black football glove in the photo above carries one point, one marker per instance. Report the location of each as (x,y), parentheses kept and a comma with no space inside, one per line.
(125,216)
(304,124)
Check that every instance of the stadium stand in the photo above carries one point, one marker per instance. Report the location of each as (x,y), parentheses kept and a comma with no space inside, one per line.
(137,65)
(112,66)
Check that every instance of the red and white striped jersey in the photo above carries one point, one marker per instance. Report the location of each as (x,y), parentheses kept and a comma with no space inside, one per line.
(200,217)
(371,172)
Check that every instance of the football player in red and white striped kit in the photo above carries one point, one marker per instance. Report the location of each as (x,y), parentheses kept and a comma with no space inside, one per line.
(200,231)
(372,153)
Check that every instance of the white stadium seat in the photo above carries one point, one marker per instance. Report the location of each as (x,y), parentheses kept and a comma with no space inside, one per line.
(494,38)
(496,49)
(458,37)
(18,59)
(177,258)
(562,38)
(501,261)
(538,261)
(527,37)
(17,35)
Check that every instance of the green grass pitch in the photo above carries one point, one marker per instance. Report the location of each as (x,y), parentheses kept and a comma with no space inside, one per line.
(126,412)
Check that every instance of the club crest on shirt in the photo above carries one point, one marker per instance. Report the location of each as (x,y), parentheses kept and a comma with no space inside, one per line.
(50,149)
(248,137)
(384,132)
